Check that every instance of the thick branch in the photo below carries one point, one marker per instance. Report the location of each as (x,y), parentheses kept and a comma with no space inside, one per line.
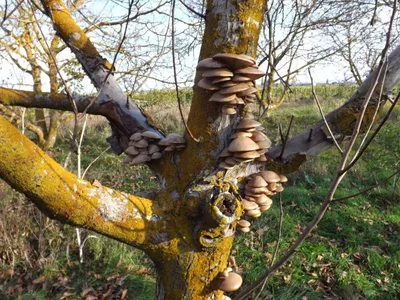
(304,146)
(65,197)
(97,68)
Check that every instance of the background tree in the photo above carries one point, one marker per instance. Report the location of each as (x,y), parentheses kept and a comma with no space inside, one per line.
(187,229)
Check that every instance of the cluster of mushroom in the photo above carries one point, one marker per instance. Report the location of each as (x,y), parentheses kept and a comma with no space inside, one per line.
(149,145)
(259,187)
(231,77)
(228,280)
(248,144)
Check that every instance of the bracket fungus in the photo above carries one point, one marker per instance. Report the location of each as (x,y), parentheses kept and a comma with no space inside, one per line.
(148,145)
(230,77)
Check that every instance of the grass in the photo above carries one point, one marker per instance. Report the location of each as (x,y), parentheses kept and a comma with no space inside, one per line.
(353,254)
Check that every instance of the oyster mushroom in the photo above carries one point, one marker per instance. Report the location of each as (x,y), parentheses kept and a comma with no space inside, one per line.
(229,284)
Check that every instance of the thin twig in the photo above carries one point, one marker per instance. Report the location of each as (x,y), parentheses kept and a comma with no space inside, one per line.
(174,68)
(94,160)
(192,10)
(5,17)
(286,137)
(368,142)
(277,243)
(322,113)
(367,189)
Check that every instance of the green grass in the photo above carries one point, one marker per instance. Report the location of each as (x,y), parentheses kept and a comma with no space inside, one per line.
(354,253)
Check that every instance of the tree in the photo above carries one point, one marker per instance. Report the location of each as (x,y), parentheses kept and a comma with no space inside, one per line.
(188,228)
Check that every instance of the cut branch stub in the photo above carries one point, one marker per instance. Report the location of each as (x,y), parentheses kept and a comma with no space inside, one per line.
(219,218)
(229,76)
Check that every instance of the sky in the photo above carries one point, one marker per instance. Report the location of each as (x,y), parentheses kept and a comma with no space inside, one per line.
(330,71)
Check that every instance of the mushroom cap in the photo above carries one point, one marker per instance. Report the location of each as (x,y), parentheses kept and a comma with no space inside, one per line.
(153,148)
(247,92)
(231,161)
(221,72)
(243,223)
(132,150)
(151,135)
(207,84)
(218,97)
(255,213)
(227,84)
(259,136)
(164,142)
(225,166)
(140,159)
(234,89)
(249,205)
(257,181)
(237,101)
(240,78)
(141,143)
(228,110)
(269,176)
(156,155)
(251,72)
(136,136)
(256,190)
(209,63)
(264,144)
(128,159)
(231,283)
(265,207)
(243,229)
(248,123)
(279,187)
(242,144)
(221,79)
(262,158)
(263,200)
(272,186)
(240,133)
(283,178)
(176,138)
(247,154)
(235,61)
(225,153)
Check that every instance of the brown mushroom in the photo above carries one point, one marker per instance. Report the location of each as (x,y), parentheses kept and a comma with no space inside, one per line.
(151,135)
(248,123)
(209,63)
(243,223)
(222,72)
(257,181)
(255,213)
(132,150)
(234,89)
(235,61)
(242,144)
(229,284)
(218,97)
(251,72)
(269,176)
(140,159)
(207,84)
(136,136)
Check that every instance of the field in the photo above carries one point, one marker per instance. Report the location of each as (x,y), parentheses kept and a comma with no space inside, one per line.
(353,254)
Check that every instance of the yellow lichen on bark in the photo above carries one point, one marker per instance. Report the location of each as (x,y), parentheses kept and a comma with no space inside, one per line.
(69,199)
(67,27)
